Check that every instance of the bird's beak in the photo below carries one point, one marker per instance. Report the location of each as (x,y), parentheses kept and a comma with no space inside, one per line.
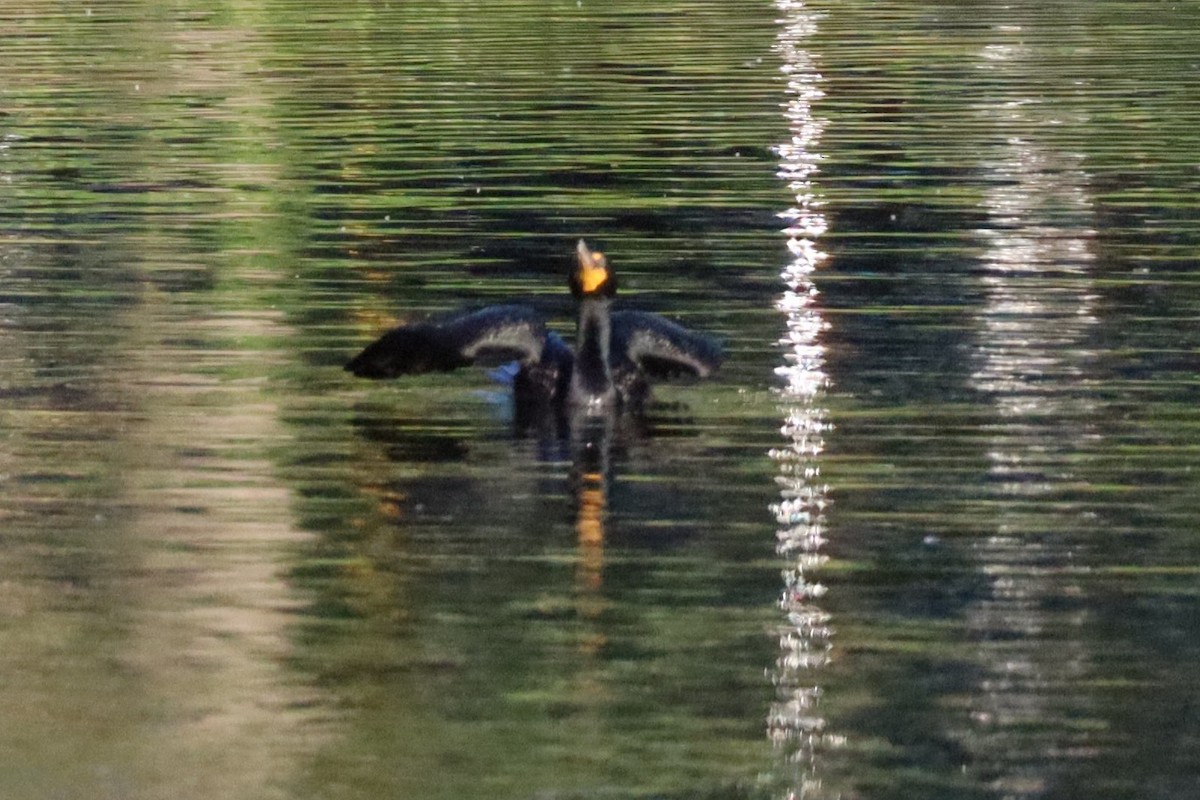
(593,269)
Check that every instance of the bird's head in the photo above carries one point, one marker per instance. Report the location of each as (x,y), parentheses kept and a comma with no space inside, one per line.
(592,276)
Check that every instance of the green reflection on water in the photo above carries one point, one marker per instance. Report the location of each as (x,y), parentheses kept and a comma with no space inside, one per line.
(229,572)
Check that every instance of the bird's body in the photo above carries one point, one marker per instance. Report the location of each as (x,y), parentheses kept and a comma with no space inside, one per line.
(616,352)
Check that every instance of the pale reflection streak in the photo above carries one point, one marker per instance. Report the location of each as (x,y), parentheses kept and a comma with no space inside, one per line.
(212,635)
(1031,357)
(795,723)
(214,646)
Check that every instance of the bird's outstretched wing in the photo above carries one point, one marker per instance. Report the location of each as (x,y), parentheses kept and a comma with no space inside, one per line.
(490,335)
(662,348)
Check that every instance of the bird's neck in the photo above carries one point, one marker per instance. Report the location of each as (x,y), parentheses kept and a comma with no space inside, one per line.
(593,337)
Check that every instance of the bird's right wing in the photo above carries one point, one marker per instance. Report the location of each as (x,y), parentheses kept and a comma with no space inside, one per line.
(490,335)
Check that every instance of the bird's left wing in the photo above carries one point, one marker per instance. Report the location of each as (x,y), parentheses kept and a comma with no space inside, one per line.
(662,348)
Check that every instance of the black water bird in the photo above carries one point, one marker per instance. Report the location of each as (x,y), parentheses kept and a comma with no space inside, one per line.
(616,353)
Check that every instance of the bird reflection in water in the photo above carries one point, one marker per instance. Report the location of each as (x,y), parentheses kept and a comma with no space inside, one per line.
(581,467)
(590,469)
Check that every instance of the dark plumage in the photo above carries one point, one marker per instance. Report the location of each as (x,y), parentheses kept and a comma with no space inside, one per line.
(616,353)
(499,333)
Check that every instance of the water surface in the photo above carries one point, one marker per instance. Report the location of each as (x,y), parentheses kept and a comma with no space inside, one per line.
(929,533)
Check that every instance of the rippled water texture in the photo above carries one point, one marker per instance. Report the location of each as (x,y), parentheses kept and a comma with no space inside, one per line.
(930,533)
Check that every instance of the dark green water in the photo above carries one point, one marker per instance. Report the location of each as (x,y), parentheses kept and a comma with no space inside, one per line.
(932,532)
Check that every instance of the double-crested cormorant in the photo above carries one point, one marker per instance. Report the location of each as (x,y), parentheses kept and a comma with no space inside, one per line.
(616,352)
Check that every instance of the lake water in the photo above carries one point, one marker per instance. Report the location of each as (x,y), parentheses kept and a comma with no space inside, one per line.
(932,532)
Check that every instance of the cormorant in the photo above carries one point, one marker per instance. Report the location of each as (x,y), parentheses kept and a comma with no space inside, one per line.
(616,352)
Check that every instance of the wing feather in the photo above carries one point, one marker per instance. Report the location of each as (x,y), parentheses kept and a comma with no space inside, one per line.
(662,348)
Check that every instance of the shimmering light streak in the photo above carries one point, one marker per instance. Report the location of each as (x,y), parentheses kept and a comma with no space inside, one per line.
(795,722)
